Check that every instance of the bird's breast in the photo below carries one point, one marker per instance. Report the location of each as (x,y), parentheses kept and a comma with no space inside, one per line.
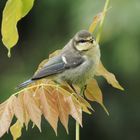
(81,74)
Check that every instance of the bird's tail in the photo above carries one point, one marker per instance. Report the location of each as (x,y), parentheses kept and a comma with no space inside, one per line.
(24,84)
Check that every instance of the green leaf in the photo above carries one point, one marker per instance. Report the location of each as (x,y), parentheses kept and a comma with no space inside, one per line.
(12,13)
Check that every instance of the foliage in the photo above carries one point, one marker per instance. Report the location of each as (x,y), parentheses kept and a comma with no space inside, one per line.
(12,13)
(46,98)
(52,101)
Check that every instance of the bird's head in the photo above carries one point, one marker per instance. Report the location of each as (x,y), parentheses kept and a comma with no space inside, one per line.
(84,41)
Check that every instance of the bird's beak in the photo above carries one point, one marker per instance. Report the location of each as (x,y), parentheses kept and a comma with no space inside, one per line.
(91,40)
(94,43)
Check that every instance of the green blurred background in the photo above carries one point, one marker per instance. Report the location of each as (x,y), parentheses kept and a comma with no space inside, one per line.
(49,26)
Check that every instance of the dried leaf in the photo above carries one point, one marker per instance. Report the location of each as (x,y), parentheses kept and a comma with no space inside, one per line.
(93,93)
(75,109)
(110,77)
(26,116)
(84,104)
(6,116)
(63,108)
(32,109)
(16,130)
(49,108)
(12,13)
(18,109)
(2,106)
(95,22)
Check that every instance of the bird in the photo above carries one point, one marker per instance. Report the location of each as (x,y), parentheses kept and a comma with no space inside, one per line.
(76,64)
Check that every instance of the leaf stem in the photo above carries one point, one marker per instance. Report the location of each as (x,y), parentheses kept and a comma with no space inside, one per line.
(77,131)
(102,21)
(39,85)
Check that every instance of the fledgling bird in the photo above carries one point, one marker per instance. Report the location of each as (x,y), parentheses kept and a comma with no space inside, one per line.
(76,63)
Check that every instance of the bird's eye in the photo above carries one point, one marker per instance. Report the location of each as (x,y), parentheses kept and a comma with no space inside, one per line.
(82,41)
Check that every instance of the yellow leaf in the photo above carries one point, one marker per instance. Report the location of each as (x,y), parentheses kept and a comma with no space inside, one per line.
(16,130)
(110,77)
(93,93)
(13,12)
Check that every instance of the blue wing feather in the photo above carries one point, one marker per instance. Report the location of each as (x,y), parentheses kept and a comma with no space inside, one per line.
(56,65)
(49,70)
(24,84)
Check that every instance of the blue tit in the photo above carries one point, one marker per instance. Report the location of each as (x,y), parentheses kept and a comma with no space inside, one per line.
(75,64)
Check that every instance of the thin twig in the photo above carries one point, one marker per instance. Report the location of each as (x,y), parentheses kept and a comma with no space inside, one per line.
(97,39)
(77,131)
(102,21)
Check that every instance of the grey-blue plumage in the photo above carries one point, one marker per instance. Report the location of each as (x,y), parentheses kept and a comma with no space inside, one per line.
(57,65)
(53,67)
(76,63)
(24,84)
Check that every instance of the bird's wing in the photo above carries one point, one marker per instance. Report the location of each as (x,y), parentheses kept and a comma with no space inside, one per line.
(57,65)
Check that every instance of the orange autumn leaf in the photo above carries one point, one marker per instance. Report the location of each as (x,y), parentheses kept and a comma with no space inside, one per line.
(93,93)
(32,109)
(49,108)
(63,108)
(110,77)
(75,110)
(6,115)
(45,98)
(17,109)
(2,106)
(79,99)
(25,114)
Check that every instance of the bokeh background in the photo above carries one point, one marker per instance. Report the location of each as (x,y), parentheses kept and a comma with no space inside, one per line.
(49,26)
